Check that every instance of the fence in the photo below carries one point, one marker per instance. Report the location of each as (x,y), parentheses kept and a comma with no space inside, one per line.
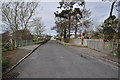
(24,43)
(105,47)
(11,45)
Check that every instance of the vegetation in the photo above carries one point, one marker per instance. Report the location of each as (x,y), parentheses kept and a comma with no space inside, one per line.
(38,41)
(71,19)
(19,20)
(7,48)
(109,29)
(5,63)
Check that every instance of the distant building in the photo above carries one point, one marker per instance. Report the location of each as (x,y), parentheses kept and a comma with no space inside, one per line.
(39,37)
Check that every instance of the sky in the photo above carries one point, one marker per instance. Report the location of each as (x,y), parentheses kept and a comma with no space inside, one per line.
(47,10)
(99,12)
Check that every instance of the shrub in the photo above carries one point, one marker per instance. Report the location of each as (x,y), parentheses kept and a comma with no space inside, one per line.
(66,40)
(5,47)
(5,63)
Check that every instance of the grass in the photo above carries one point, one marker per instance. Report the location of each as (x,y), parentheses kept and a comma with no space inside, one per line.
(38,41)
(5,49)
(20,45)
(5,46)
(5,61)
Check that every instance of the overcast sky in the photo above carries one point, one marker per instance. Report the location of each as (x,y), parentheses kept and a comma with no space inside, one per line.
(100,11)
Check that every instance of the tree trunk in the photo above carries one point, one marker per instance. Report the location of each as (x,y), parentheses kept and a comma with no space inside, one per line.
(76,32)
(11,44)
(69,26)
(65,33)
(61,26)
(76,28)
(15,43)
(112,6)
(61,33)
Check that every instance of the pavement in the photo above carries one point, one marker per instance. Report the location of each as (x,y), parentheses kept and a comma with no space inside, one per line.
(53,60)
(15,55)
(93,53)
(96,54)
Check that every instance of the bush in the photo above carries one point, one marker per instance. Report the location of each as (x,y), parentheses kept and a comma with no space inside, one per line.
(66,40)
(5,47)
(5,63)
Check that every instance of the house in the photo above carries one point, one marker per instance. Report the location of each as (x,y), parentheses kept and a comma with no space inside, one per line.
(5,36)
(22,35)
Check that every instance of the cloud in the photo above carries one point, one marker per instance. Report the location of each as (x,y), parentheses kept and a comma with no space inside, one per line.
(47,14)
(99,12)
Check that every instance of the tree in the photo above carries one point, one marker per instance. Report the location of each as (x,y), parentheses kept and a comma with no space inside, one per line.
(118,30)
(84,21)
(38,26)
(74,17)
(118,9)
(61,27)
(17,15)
(109,28)
(112,7)
(110,24)
(68,11)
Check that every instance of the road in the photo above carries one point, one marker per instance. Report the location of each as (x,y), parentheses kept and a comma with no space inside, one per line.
(53,60)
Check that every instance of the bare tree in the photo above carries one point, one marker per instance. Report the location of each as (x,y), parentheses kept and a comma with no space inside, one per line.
(27,11)
(17,15)
(38,26)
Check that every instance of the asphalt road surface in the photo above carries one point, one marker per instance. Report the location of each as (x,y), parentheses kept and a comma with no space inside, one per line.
(53,60)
